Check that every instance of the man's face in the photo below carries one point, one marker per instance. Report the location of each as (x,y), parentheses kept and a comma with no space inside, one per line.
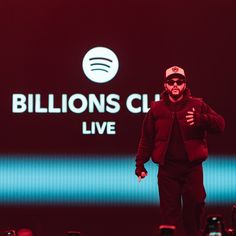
(175,87)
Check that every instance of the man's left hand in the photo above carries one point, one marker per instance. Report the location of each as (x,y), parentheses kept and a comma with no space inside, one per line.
(190,117)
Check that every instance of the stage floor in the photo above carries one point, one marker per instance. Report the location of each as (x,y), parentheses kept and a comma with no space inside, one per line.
(99,221)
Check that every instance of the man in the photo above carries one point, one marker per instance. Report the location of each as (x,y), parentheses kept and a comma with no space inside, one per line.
(174,135)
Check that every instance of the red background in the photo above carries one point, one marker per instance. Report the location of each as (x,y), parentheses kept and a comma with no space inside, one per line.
(43,44)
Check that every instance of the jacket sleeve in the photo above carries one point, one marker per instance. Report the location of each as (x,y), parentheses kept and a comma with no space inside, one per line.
(210,120)
(146,141)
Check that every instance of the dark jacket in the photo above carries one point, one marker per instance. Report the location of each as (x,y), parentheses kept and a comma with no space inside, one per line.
(157,127)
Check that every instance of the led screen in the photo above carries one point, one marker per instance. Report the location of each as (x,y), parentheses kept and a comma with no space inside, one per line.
(77,80)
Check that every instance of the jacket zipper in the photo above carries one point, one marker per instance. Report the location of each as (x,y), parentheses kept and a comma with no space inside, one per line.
(182,136)
(171,127)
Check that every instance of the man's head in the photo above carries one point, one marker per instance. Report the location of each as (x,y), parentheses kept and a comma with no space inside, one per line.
(175,82)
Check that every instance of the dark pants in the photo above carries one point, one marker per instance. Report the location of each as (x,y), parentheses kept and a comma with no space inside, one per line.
(182,196)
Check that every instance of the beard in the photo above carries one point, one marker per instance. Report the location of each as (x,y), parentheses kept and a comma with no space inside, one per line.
(174,95)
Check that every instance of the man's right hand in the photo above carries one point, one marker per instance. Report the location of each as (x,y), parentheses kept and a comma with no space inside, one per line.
(141,172)
(142,176)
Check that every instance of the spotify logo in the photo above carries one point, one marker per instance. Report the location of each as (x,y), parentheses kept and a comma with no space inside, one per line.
(100,64)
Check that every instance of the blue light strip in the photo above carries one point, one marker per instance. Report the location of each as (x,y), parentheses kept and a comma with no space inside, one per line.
(99,180)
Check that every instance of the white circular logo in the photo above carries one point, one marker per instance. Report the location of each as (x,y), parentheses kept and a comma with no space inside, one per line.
(100,64)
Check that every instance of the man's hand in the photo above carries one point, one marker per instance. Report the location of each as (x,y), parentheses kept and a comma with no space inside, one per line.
(190,117)
(143,175)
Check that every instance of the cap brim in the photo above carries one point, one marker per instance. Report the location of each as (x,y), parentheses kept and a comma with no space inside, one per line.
(176,75)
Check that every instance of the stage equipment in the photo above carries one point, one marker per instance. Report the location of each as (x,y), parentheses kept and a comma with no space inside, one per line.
(167,230)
